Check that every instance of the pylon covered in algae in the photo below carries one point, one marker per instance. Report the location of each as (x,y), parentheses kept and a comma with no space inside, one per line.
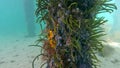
(72,32)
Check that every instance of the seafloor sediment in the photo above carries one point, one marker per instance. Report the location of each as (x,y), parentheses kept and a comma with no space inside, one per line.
(15,53)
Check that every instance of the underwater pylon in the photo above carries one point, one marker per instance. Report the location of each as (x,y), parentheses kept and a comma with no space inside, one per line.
(73,31)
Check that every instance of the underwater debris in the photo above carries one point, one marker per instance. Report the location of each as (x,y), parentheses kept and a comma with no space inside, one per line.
(73,31)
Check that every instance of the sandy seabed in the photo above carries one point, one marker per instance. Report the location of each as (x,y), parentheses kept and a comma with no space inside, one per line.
(15,52)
